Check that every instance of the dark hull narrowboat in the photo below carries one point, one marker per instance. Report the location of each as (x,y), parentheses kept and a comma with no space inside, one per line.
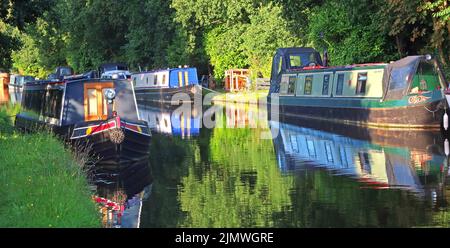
(94,114)
(404,94)
(167,86)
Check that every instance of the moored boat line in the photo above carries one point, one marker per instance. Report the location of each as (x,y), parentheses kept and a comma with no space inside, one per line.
(168,85)
(408,93)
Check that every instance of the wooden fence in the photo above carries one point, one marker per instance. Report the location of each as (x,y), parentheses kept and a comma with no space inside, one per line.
(262,83)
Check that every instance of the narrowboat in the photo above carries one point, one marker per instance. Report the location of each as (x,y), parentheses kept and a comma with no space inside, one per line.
(408,93)
(15,87)
(169,86)
(98,114)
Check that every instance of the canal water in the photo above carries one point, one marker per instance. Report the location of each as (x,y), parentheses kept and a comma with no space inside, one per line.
(250,171)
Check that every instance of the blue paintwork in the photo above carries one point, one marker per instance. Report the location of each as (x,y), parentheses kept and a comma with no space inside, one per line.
(173,76)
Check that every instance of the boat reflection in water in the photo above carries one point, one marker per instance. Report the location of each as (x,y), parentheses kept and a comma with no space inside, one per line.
(378,159)
(120,194)
(171,120)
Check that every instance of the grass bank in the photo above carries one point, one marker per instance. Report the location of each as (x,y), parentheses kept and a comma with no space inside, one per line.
(241,97)
(42,184)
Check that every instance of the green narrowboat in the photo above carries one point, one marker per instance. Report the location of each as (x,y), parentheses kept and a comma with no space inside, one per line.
(408,93)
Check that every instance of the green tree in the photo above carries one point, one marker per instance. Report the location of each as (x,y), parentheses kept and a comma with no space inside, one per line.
(224,46)
(8,42)
(26,60)
(43,46)
(349,32)
(440,39)
(150,30)
(95,30)
(16,14)
(267,31)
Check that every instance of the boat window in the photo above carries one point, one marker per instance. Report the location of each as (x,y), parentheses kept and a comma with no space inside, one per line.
(294,144)
(311,148)
(276,67)
(361,83)
(326,84)
(400,77)
(280,62)
(304,59)
(105,101)
(295,61)
(364,162)
(64,71)
(186,78)
(155,79)
(20,80)
(95,103)
(343,155)
(329,152)
(52,103)
(284,85)
(426,78)
(92,101)
(340,84)
(291,86)
(33,100)
(164,79)
(308,85)
(134,81)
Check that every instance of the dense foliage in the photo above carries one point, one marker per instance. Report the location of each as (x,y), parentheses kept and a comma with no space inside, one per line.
(215,35)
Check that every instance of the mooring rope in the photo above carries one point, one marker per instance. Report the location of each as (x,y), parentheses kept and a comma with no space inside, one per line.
(431,111)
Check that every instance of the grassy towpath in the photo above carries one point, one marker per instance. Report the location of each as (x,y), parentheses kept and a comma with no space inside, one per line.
(42,182)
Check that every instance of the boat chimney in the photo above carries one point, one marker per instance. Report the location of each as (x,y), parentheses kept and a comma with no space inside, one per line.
(325,57)
(325,52)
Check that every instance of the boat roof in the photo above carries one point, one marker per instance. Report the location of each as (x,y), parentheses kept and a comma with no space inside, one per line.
(167,69)
(295,50)
(67,81)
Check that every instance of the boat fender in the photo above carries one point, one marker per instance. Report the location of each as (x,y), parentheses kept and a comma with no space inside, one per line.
(116,135)
(446,147)
(445,121)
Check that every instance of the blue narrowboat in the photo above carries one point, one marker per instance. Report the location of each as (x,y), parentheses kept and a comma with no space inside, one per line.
(408,93)
(167,86)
